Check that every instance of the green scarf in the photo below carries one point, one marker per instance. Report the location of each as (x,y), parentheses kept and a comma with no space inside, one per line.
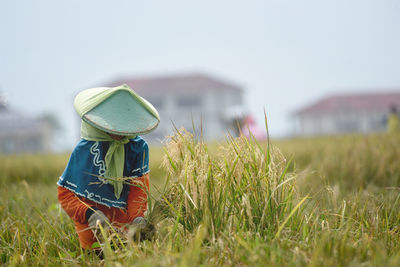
(115,157)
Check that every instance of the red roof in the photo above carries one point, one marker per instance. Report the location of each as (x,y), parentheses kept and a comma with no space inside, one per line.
(353,102)
(176,83)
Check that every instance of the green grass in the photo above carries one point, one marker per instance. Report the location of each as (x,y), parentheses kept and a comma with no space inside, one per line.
(331,201)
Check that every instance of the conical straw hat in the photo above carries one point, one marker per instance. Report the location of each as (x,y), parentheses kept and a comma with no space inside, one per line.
(116,110)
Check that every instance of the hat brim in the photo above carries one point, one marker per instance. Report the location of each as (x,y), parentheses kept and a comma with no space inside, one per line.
(124,114)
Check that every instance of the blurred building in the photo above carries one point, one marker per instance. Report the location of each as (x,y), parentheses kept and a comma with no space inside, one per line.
(210,103)
(21,134)
(353,113)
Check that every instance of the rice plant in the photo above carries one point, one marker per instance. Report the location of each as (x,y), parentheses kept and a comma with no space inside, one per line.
(242,188)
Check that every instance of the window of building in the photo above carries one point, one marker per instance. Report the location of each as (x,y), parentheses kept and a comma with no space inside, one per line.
(377,123)
(188,101)
(348,125)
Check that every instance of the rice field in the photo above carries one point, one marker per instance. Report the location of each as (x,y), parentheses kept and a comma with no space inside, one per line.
(332,201)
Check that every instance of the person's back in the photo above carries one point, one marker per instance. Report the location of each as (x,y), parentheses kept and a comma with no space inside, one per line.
(106,180)
(393,124)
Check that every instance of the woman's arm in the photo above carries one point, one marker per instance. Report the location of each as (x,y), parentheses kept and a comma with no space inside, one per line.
(137,198)
(74,206)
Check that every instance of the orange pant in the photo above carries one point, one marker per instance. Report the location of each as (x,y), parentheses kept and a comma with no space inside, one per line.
(76,208)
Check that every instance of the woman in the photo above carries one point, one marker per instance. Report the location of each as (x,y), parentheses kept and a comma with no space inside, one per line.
(107,177)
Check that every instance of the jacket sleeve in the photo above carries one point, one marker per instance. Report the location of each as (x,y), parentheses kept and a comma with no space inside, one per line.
(137,198)
(73,205)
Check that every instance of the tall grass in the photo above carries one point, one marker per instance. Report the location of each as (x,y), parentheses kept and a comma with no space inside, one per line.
(243,188)
(44,168)
(335,203)
(346,163)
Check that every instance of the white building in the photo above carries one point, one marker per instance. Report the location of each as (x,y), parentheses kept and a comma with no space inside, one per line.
(182,99)
(352,113)
(21,134)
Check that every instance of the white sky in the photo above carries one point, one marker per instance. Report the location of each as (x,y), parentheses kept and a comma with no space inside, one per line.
(285,54)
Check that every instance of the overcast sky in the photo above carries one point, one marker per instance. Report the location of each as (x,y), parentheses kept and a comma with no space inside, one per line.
(285,54)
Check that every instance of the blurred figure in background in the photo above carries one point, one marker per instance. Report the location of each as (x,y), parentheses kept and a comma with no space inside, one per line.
(250,128)
(393,123)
